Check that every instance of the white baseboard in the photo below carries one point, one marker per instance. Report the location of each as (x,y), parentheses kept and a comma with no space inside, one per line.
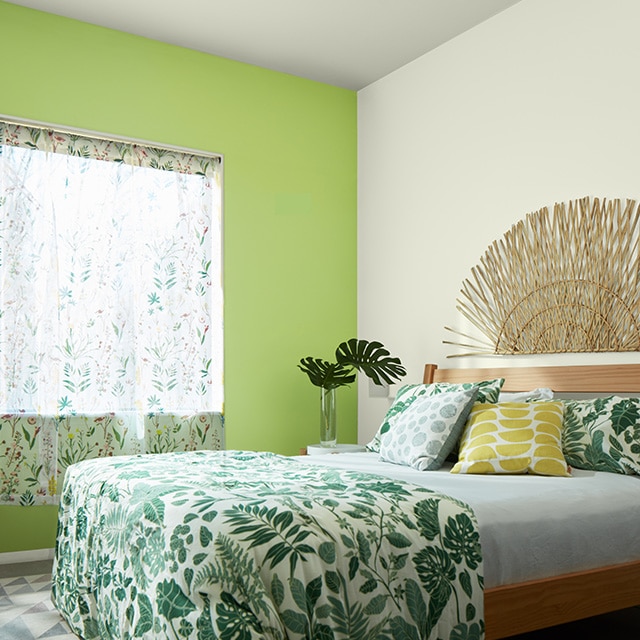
(14,557)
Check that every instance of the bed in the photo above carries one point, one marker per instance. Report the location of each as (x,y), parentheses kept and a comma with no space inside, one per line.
(263,546)
(240,545)
(518,608)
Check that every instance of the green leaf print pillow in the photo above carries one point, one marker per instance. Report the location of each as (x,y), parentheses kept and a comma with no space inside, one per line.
(488,391)
(603,434)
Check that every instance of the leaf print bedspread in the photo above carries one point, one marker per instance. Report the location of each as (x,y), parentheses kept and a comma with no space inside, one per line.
(241,545)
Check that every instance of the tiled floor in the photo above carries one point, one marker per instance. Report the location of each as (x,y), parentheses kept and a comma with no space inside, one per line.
(26,611)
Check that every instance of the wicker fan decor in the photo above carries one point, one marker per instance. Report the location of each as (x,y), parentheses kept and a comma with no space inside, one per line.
(556,283)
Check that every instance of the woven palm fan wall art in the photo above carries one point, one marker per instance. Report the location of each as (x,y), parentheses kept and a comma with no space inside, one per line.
(558,283)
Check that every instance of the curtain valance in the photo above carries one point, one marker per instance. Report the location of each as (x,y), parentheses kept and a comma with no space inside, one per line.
(96,148)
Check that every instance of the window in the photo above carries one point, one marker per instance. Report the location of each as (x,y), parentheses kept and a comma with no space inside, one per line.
(110,275)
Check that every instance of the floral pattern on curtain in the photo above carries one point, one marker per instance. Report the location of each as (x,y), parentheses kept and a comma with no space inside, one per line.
(36,450)
(110,301)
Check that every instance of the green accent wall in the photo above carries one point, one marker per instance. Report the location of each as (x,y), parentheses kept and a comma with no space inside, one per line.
(289,147)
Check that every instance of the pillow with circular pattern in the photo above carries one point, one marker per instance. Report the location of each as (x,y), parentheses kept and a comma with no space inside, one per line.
(427,431)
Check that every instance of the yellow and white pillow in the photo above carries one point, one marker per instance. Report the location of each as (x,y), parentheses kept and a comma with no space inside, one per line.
(513,437)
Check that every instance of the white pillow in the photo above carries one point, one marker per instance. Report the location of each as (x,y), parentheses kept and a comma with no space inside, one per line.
(542,393)
(427,431)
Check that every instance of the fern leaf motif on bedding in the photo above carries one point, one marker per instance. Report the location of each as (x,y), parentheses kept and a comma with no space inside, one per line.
(558,283)
(244,545)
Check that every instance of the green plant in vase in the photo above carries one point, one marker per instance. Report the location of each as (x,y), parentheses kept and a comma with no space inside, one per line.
(371,358)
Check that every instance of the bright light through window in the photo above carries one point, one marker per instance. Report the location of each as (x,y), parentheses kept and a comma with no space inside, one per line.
(110,273)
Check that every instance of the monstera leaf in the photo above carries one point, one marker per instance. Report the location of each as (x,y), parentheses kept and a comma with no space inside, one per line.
(329,375)
(372,358)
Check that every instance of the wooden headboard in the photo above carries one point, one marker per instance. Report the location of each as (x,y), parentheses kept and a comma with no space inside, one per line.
(600,378)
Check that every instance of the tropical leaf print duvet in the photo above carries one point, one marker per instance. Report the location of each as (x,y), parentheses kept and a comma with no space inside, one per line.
(243,545)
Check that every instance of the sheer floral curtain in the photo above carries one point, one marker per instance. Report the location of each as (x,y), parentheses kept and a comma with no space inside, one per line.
(110,276)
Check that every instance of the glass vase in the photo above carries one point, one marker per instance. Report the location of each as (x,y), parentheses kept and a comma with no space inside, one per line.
(328,426)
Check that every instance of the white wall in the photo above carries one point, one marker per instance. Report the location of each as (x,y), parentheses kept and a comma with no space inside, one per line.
(539,104)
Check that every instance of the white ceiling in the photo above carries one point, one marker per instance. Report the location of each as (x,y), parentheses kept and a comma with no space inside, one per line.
(347,43)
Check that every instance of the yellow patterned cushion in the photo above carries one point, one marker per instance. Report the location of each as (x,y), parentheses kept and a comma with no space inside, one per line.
(513,437)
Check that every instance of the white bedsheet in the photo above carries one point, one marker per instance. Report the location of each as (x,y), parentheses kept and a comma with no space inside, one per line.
(530,526)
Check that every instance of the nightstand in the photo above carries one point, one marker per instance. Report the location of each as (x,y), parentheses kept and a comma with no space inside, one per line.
(318,450)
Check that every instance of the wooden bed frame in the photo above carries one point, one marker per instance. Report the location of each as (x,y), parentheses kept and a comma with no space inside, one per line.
(523,607)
